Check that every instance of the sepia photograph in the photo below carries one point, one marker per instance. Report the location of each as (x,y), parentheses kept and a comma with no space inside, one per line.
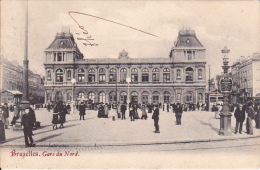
(126,84)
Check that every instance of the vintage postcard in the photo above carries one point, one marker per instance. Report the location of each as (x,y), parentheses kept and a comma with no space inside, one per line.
(129,84)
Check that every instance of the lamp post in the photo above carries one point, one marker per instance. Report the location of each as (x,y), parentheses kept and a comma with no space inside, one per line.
(128,80)
(73,81)
(25,104)
(226,88)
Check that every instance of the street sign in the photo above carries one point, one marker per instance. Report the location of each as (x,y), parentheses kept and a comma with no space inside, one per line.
(225,84)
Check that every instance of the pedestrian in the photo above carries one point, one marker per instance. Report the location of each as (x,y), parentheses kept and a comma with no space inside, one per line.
(168,107)
(132,113)
(240,117)
(163,106)
(49,107)
(16,115)
(113,114)
(6,115)
(82,110)
(178,114)
(2,127)
(62,114)
(28,120)
(106,110)
(118,107)
(144,114)
(257,117)
(123,109)
(136,112)
(155,117)
(250,116)
(68,108)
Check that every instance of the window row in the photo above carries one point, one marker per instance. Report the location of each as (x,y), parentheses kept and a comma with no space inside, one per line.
(123,75)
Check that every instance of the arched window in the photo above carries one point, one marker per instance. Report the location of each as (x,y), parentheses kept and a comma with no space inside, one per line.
(91,96)
(200,73)
(58,96)
(123,74)
(178,74)
(49,74)
(81,75)
(102,97)
(112,97)
(69,74)
(81,95)
(102,75)
(156,97)
(91,75)
(123,97)
(166,97)
(134,75)
(155,74)
(189,74)
(166,75)
(145,75)
(59,75)
(112,75)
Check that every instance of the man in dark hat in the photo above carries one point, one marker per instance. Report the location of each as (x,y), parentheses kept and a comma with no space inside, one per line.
(28,120)
(155,117)
(82,110)
(240,117)
(178,114)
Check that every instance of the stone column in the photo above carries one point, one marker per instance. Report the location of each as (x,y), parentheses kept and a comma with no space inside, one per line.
(196,96)
(96,75)
(45,96)
(139,75)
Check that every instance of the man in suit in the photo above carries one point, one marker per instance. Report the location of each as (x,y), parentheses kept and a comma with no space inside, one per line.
(28,120)
(178,114)
(123,109)
(240,117)
(155,117)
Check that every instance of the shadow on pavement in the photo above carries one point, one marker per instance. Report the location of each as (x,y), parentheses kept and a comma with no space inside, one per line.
(48,137)
(19,137)
(210,125)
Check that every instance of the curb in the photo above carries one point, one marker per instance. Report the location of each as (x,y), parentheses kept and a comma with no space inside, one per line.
(93,144)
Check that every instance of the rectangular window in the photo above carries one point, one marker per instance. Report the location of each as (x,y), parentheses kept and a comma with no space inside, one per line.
(155,99)
(112,78)
(166,77)
(166,99)
(59,78)
(59,58)
(189,57)
(145,77)
(123,77)
(54,56)
(134,77)
(81,78)
(102,77)
(155,76)
(91,78)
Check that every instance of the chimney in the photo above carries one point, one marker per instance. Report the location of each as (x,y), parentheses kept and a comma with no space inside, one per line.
(66,30)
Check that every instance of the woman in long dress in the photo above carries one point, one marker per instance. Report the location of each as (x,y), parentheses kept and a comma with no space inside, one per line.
(106,111)
(144,114)
(136,112)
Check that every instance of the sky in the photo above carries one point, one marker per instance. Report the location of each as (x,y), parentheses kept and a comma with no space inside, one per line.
(216,24)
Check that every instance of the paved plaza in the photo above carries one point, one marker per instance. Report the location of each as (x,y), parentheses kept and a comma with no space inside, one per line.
(93,131)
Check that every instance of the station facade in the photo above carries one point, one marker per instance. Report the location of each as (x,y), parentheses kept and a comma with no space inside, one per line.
(180,77)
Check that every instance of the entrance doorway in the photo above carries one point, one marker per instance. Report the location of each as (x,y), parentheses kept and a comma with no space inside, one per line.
(123,97)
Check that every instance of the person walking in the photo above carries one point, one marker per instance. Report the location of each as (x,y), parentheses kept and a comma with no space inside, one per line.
(6,115)
(250,116)
(257,117)
(144,114)
(155,117)
(113,114)
(178,114)
(123,109)
(106,110)
(163,106)
(240,117)
(82,110)
(168,107)
(62,114)
(28,120)
(132,113)
(2,128)
(48,107)
(68,108)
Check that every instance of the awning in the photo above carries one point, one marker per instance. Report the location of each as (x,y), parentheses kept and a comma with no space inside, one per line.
(14,92)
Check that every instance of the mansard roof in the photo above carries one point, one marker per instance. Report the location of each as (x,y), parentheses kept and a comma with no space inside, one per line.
(64,40)
(187,38)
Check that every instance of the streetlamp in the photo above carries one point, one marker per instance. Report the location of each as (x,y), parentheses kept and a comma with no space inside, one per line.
(73,81)
(128,80)
(225,85)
